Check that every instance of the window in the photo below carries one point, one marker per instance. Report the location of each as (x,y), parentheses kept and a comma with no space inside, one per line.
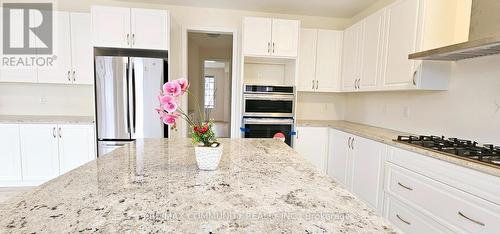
(209,91)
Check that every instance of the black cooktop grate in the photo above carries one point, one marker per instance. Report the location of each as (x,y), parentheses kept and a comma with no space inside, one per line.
(465,149)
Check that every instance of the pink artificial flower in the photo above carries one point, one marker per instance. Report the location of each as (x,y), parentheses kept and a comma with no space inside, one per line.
(183,83)
(168,103)
(169,119)
(173,88)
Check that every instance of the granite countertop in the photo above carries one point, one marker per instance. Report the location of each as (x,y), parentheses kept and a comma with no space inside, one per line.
(387,136)
(46,119)
(153,185)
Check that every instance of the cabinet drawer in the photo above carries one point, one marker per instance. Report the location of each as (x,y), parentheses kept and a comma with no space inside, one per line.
(411,221)
(451,207)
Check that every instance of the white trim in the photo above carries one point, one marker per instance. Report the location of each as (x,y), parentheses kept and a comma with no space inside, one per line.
(236,83)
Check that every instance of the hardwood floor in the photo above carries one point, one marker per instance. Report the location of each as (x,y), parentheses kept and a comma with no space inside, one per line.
(7,193)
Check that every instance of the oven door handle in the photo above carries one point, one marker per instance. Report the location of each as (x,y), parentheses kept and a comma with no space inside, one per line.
(268,121)
(269,97)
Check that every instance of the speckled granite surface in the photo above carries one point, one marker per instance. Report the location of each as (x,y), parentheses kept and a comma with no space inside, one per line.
(261,186)
(27,119)
(387,136)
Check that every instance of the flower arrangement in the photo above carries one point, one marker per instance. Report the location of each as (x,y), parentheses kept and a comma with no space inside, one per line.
(169,111)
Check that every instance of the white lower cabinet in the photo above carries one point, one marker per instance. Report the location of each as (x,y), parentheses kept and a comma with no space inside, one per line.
(312,143)
(32,154)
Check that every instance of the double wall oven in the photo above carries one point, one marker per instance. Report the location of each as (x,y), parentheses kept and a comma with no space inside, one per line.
(268,112)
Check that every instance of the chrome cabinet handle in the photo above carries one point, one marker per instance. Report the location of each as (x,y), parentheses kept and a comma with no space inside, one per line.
(128,39)
(312,81)
(133,38)
(404,186)
(54,132)
(273,47)
(402,220)
(317,84)
(472,220)
(414,79)
(69,72)
(74,76)
(352,143)
(60,136)
(349,142)
(269,47)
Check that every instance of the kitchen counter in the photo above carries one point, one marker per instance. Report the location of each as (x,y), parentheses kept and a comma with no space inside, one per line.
(153,185)
(28,119)
(387,136)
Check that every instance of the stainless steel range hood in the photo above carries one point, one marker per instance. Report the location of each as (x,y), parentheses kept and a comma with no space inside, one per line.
(484,36)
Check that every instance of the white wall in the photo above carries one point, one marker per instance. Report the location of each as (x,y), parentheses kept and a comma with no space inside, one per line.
(25,99)
(222,80)
(470,109)
(320,106)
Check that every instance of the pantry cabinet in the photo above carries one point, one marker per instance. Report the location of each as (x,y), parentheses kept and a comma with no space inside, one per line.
(119,27)
(319,60)
(35,153)
(312,144)
(270,37)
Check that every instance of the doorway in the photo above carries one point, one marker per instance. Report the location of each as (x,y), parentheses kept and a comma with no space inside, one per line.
(210,76)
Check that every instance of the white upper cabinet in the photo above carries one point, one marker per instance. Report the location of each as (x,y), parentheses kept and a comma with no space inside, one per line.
(319,60)
(76,146)
(111,26)
(351,54)
(257,36)
(82,56)
(371,47)
(130,28)
(149,29)
(328,60)
(307,59)
(10,154)
(270,37)
(60,71)
(312,144)
(285,35)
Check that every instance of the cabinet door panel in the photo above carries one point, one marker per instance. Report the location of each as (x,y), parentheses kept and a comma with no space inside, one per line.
(402,29)
(10,153)
(311,143)
(329,54)
(59,72)
(372,50)
(149,29)
(76,146)
(338,156)
(39,152)
(367,166)
(81,49)
(256,36)
(307,59)
(110,26)
(350,57)
(285,35)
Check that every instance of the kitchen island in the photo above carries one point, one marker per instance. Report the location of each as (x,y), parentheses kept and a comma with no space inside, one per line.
(153,185)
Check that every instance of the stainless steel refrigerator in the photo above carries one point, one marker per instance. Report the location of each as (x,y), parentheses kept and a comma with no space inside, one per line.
(127,84)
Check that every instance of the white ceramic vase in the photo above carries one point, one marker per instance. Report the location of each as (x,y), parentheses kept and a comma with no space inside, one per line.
(208,158)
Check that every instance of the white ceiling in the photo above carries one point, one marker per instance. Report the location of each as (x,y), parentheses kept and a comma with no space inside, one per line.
(329,8)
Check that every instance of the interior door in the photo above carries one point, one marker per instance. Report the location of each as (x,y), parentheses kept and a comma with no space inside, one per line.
(39,152)
(10,153)
(372,44)
(257,36)
(285,37)
(307,59)
(328,61)
(81,49)
(76,146)
(350,57)
(367,166)
(401,39)
(154,36)
(111,26)
(338,156)
(311,143)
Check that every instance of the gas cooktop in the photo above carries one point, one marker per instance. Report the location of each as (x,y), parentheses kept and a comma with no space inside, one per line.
(464,149)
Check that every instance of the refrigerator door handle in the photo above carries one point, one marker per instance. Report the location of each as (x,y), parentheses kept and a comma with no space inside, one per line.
(127,83)
(132,96)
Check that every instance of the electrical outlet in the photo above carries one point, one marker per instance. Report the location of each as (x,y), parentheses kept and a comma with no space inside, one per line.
(406,112)
(43,100)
